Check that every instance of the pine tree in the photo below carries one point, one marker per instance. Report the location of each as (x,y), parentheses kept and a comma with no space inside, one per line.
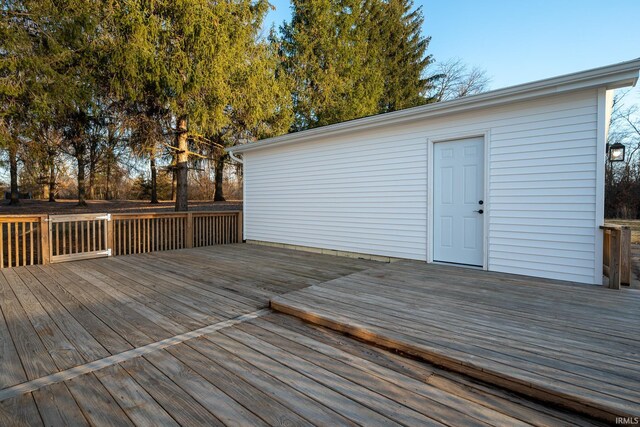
(184,54)
(326,50)
(351,59)
(397,36)
(48,59)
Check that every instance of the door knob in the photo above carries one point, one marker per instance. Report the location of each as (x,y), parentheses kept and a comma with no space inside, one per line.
(481,202)
(480,211)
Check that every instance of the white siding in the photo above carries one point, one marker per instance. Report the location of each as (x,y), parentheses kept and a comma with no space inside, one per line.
(366,191)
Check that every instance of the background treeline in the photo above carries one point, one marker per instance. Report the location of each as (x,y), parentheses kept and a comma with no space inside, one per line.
(138,98)
(622,179)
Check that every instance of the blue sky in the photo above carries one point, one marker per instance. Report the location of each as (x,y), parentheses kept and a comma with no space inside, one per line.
(518,41)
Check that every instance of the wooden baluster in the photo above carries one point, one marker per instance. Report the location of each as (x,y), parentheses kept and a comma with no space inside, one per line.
(152,234)
(9,245)
(83,230)
(614,260)
(30,243)
(93,236)
(188,243)
(23,225)
(625,255)
(1,245)
(17,243)
(64,238)
(164,233)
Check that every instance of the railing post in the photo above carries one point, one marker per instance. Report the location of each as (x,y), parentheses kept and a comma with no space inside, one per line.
(625,255)
(43,226)
(189,233)
(110,241)
(614,260)
(240,230)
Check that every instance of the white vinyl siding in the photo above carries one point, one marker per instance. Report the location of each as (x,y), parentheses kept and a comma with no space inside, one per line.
(366,191)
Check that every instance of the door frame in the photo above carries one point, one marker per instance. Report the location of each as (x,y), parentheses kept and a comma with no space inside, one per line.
(485,134)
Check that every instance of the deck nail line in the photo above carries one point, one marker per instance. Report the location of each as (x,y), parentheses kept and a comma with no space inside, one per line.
(67,374)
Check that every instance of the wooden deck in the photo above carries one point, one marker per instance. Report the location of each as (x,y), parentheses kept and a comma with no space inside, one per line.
(64,315)
(570,344)
(184,338)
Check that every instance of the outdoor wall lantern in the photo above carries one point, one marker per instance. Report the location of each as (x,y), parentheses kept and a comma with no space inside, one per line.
(616,152)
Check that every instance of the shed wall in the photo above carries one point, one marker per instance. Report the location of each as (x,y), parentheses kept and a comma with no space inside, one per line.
(366,191)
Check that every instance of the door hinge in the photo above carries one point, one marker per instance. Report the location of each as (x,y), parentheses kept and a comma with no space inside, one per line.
(107,217)
(107,252)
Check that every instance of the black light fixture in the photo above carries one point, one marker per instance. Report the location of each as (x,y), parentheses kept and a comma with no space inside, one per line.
(616,152)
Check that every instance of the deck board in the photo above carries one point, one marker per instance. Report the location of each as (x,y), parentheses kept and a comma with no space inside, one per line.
(63,315)
(571,344)
(262,368)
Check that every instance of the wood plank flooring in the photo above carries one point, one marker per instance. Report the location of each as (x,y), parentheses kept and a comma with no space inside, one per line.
(276,370)
(570,344)
(58,316)
(184,338)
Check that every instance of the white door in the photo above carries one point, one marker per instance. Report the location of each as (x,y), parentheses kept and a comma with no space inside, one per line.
(458,205)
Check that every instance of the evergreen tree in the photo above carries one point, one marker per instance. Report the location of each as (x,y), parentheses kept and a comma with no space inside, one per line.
(327,52)
(351,59)
(396,34)
(183,55)
(49,54)
(260,108)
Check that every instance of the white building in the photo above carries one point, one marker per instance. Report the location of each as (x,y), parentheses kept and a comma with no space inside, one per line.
(510,180)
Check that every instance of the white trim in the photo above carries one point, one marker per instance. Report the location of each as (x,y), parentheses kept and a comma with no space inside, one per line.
(429,240)
(244,200)
(485,134)
(609,77)
(601,141)
(487,202)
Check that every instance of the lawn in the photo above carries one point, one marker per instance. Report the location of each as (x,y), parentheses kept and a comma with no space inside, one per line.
(33,207)
(633,223)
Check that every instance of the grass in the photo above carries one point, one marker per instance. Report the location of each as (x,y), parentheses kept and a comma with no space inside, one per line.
(634,224)
(33,207)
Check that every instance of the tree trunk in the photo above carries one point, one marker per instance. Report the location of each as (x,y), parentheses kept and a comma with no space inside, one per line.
(219,177)
(52,182)
(154,178)
(182,166)
(82,192)
(173,183)
(90,187)
(13,172)
(107,194)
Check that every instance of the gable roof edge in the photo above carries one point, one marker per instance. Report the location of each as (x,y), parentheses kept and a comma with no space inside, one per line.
(614,76)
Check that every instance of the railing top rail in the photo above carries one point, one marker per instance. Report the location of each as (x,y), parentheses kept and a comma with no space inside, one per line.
(78,217)
(172,214)
(614,227)
(21,217)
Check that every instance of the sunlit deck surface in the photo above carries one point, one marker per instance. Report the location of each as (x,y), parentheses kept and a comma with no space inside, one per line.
(184,337)
(570,344)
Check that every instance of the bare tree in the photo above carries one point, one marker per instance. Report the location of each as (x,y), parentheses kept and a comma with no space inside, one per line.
(622,179)
(455,79)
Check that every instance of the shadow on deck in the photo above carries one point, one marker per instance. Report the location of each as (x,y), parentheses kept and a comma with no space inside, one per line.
(184,337)
(573,345)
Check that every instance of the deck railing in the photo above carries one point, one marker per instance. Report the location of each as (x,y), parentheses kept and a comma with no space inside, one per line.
(41,239)
(135,233)
(20,240)
(616,257)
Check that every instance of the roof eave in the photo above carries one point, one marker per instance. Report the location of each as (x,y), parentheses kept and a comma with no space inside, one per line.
(610,77)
